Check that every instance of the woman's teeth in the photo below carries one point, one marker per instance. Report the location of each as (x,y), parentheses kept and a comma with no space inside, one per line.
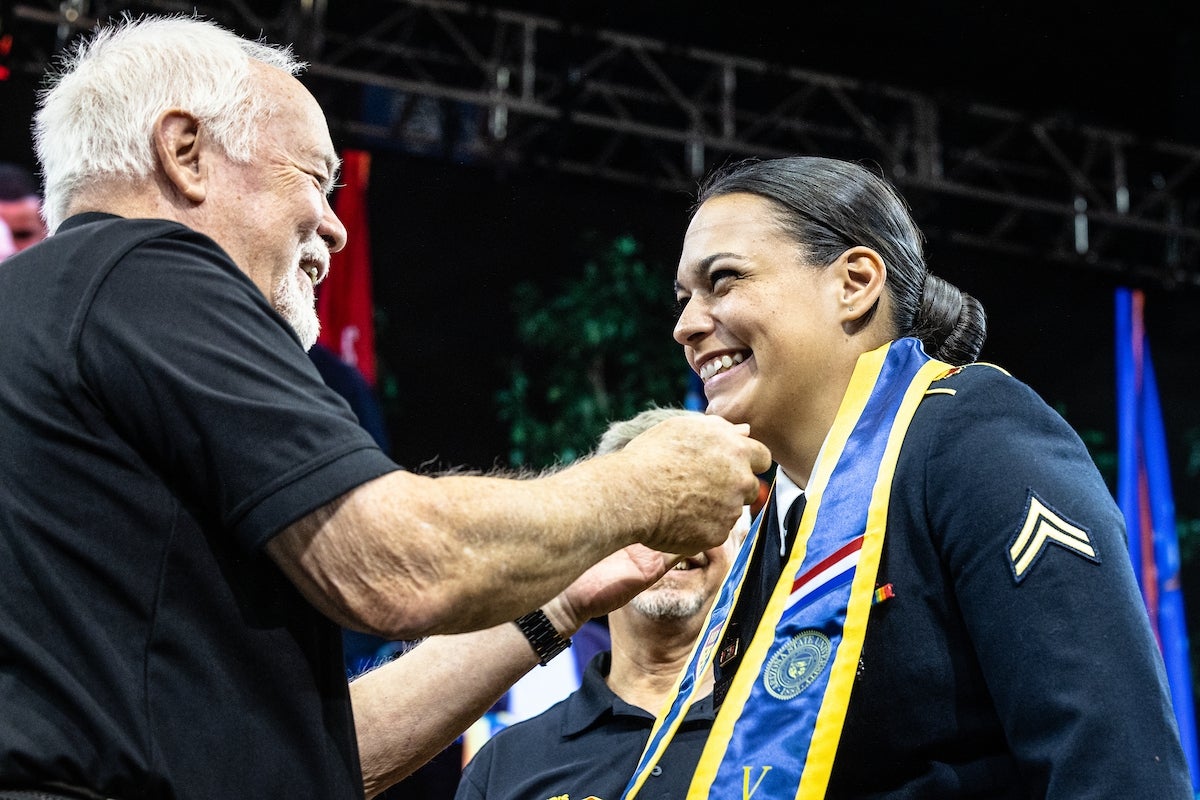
(720,365)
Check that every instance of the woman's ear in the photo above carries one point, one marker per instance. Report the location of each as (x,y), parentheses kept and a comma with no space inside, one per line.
(177,143)
(862,274)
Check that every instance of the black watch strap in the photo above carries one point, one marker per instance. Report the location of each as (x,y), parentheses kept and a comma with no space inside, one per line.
(542,635)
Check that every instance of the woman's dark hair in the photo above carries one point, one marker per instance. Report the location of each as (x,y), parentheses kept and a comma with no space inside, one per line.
(828,206)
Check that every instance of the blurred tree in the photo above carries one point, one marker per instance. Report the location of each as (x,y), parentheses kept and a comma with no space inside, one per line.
(599,349)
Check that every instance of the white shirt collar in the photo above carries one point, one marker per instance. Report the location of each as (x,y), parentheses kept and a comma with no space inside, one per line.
(786,491)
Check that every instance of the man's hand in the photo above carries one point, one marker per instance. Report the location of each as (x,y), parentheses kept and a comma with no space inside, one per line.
(704,470)
(607,586)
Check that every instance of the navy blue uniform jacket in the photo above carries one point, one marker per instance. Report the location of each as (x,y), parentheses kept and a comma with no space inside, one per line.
(1016,658)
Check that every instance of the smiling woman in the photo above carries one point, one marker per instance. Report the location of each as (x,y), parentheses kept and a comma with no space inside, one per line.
(852,235)
(935,635)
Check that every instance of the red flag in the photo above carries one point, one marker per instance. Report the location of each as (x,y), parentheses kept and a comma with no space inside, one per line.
(344,303)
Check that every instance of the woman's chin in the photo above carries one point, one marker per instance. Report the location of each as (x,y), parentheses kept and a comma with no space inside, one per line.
(726,408)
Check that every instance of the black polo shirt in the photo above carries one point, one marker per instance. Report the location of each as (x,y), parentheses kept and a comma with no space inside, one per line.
(159,423)
(587,745)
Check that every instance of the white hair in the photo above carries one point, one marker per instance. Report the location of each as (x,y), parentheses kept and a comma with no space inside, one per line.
(97,117)
(622,432)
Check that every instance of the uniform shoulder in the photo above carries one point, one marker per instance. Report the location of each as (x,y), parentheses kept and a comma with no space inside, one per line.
(981,403)
(983,384)
(980,373)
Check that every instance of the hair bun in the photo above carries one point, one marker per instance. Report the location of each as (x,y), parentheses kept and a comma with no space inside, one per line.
(951,324)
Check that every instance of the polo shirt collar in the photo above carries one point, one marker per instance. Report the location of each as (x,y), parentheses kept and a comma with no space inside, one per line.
(594,702)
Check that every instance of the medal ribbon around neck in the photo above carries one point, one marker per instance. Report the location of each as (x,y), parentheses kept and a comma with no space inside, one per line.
(777,731)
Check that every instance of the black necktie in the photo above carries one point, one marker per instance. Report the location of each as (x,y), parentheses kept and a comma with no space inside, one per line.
(772,561)
(765,567)
(791,521)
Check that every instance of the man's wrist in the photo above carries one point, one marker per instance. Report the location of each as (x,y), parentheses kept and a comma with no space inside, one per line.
(542,636)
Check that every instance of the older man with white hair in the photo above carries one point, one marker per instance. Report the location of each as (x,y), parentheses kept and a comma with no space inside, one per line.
(189,516)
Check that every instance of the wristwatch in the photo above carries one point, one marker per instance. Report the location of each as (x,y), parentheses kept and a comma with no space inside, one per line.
(542,635)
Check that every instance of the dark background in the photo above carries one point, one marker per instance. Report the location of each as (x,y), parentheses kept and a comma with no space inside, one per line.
(451,240)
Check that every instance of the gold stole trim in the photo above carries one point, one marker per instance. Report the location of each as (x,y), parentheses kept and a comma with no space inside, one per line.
(831,716)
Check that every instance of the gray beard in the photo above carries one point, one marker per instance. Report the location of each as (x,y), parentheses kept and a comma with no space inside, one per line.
(665,603)
(297,306)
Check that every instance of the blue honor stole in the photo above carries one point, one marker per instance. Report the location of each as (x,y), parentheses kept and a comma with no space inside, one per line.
(778,728)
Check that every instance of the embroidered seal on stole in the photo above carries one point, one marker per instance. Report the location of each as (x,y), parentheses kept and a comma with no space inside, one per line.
(796,664)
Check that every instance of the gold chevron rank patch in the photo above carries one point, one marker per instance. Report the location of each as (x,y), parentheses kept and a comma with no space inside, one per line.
(1043,526)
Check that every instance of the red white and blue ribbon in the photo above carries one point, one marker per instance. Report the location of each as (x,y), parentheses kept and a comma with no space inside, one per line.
(776,733)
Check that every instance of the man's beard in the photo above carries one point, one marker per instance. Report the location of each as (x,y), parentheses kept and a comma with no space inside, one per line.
(662,602)
(296,302)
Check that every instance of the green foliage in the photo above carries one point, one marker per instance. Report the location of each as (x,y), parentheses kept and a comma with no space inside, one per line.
(1187,501)
(598,350)
(1102,452)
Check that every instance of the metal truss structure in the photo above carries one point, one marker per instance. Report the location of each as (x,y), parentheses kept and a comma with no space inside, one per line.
(521,90)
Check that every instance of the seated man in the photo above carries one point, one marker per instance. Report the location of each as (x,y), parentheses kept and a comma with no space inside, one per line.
(588,744)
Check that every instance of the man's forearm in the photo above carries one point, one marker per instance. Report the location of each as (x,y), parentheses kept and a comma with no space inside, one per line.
(412,708)
(405,556)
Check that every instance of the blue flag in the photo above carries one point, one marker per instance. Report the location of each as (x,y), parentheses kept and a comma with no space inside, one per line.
(1144,495)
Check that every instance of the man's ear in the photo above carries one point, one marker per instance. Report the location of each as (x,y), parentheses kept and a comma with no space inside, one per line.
(862,274)
(177,144)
